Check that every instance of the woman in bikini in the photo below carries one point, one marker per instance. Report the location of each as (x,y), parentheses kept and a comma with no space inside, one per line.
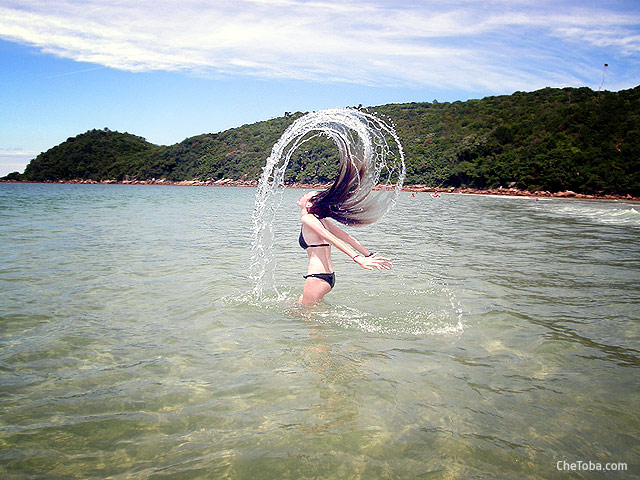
(318,234)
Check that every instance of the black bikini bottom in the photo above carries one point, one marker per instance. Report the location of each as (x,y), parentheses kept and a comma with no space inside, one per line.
(330,278)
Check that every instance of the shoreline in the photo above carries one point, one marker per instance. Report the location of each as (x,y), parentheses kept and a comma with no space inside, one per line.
(417,188)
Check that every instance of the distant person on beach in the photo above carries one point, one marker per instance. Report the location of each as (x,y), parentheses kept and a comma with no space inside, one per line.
(318,234)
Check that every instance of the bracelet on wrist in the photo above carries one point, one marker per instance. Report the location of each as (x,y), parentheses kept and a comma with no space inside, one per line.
(355,256)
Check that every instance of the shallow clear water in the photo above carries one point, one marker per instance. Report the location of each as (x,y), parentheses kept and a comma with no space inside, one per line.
(506,339)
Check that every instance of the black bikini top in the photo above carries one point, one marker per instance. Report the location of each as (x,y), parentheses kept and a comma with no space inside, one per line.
(304,244)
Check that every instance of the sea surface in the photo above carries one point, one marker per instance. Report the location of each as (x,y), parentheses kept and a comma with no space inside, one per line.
(505,341)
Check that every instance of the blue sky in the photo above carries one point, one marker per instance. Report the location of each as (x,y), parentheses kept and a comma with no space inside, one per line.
(167,70)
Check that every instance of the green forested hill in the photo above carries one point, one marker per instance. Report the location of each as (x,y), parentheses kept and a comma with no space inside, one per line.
(96,154)
(551,139)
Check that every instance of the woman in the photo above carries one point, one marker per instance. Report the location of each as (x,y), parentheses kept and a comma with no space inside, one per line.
(316,237)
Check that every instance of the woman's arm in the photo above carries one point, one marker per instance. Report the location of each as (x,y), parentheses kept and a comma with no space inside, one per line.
(366,262)
(345,237)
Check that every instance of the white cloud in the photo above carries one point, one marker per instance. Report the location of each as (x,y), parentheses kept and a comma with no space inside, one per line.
(465,44)
(626,41)
(15,160)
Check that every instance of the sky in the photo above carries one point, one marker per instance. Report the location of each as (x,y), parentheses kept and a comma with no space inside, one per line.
(168,70)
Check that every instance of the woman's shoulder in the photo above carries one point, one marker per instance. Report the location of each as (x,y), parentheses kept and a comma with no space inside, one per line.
(310,218)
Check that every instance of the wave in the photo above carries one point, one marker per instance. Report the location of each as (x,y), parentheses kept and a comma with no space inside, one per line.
(605,213)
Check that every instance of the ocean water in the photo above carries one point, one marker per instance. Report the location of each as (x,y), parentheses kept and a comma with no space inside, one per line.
(505,340)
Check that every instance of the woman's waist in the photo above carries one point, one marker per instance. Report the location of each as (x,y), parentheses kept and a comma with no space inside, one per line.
(317,265)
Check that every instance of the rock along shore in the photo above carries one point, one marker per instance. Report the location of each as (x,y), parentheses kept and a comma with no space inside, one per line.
(228,182)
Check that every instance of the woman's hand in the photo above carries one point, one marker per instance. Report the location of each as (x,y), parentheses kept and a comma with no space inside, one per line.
(373,261)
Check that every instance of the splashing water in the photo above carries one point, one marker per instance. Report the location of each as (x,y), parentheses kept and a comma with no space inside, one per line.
(368,142)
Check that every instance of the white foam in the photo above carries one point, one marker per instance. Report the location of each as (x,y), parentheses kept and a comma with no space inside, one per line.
(603,213)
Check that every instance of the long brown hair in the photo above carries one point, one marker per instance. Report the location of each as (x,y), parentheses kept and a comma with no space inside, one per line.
(366,161)
(349,200)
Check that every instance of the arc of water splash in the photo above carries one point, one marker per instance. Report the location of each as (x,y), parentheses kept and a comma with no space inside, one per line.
(359,136)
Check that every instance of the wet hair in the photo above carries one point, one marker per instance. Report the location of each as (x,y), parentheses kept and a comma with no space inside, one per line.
(349,200)
(370,173)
